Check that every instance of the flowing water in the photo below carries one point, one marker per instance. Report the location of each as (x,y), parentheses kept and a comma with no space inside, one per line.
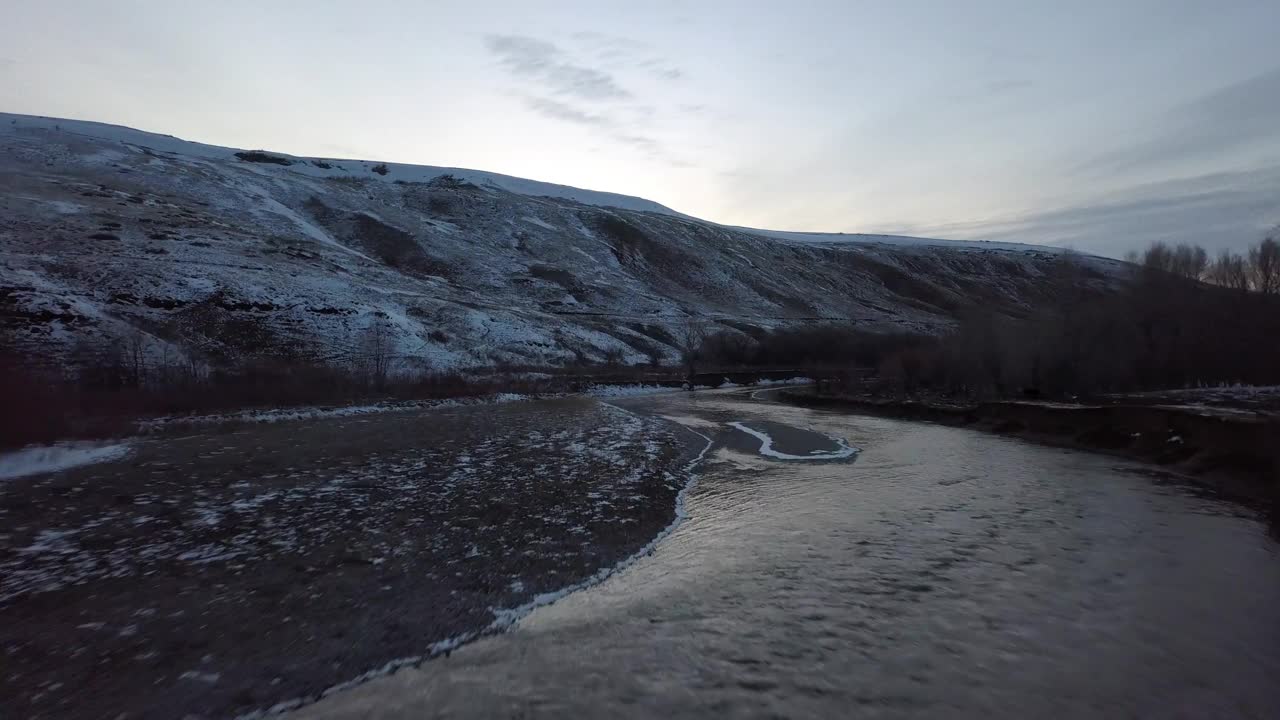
(940,572)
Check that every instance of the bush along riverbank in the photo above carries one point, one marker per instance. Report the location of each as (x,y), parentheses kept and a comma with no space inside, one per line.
(1234,453)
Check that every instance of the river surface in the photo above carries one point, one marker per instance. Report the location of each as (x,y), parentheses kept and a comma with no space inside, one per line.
(940,572)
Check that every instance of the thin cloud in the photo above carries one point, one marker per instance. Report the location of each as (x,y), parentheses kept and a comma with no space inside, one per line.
(544,62)
(557,110)
(612,129)
(1218,210)
(605,40)
(573,93)
(640,142)
(1237,117)
(620,52)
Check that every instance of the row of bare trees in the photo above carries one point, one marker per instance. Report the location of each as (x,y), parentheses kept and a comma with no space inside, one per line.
(1257,269)
(139,360)
(1184,320)
(107,382)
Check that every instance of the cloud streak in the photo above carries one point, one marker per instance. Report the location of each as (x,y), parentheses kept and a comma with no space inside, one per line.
(568,92)
(557,110)
(545,63)
(1217,210)
(1238,117)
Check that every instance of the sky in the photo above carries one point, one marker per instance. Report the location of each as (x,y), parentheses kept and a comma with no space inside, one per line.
(1098,125)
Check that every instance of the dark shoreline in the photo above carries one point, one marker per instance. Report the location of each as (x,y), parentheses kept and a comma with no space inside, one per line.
(1233,454)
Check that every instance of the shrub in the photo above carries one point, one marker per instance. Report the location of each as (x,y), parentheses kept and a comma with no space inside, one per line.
(260,157)
(449,182)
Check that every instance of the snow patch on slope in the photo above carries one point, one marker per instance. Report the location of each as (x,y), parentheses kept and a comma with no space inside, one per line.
(614,391)
(306,226)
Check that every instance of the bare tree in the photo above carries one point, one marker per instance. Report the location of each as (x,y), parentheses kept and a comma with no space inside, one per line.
(689,337)
(1264,264)
(375,349)
(134,351)
(1158,257)
(1190,261)
(1229,270)
(164,373)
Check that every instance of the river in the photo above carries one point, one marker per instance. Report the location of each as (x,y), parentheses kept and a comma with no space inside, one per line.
(939,572)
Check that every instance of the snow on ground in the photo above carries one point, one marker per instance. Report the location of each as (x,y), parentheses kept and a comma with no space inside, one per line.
(480,514)
(362,169)
(52,458)
(281,511)
(844,450)
(505,618)
(178,238)
(316,413)
(1221,393)
(615,391)
(540,223)
(1224,400)
(306,226)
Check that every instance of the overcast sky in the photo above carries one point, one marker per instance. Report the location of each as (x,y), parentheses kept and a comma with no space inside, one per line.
(1096,124)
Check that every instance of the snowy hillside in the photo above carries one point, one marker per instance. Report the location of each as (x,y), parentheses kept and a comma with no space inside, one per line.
(324,167)
(218,253)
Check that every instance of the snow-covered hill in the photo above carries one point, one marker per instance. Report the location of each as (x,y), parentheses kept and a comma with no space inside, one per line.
(218,253)
(323,167)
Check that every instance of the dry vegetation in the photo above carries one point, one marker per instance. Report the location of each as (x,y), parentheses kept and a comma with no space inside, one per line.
(1184,320)
(106,387)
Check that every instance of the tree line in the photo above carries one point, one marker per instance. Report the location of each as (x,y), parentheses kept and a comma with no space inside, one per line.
(1257,269)
(1180,318)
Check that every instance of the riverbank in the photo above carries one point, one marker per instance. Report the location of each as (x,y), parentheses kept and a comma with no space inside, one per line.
(247,566)
(1234,453)
(46,411)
